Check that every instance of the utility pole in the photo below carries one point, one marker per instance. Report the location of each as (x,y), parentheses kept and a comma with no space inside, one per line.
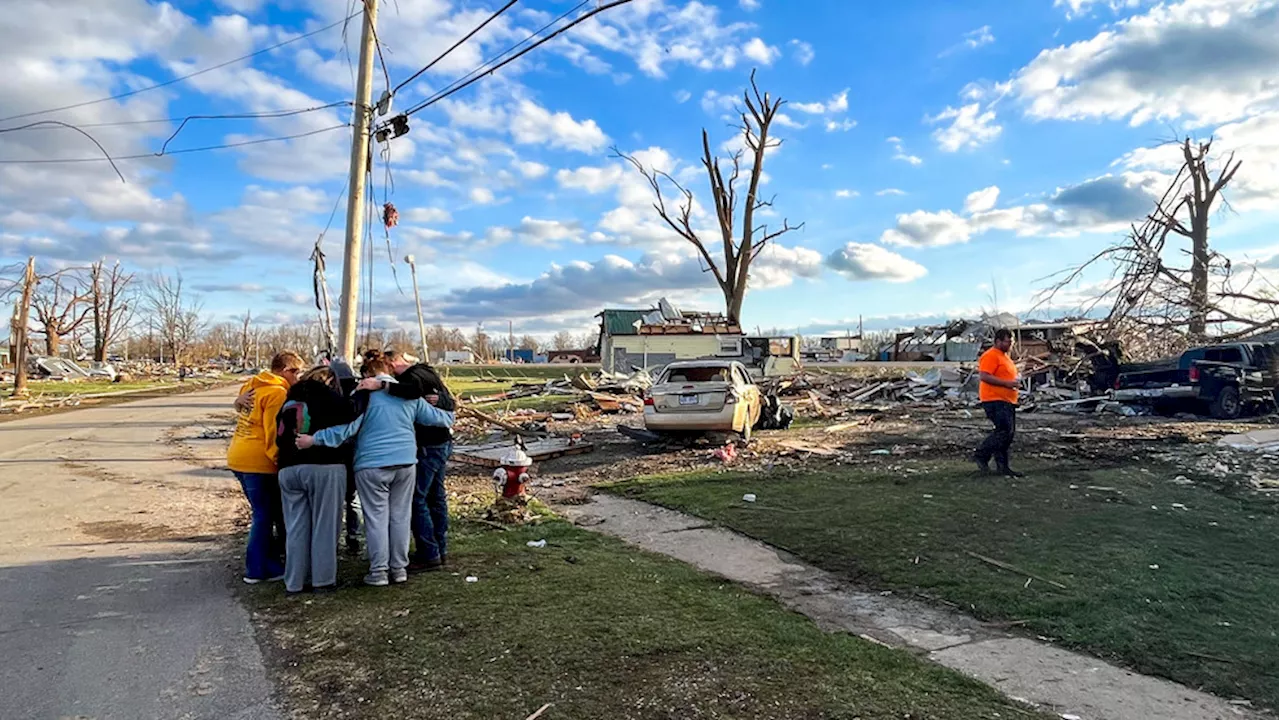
(355,201)
(20,329)
(417,301)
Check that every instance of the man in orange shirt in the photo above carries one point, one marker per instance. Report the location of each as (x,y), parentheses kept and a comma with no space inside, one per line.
(998,391)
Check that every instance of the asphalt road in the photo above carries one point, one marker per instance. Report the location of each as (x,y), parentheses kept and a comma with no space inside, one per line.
(116,592)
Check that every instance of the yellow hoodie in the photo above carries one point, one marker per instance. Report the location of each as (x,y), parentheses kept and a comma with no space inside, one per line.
(253,447)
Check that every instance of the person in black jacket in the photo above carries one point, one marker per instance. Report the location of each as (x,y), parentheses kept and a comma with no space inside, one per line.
(312,481)
(430,521)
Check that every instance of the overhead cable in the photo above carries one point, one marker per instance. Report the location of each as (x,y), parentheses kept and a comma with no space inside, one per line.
(181,78)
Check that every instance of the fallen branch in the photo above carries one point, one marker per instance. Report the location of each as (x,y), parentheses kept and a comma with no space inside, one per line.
(538,713)
(1013,568)
(509,427)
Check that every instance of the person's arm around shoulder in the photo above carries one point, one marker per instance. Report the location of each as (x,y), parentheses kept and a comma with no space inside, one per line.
(427,414)
(272,400)
(331,436)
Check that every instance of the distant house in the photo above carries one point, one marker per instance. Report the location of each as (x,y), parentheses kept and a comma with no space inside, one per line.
(632,339)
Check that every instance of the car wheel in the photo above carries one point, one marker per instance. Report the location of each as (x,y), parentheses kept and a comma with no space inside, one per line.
(1227,405)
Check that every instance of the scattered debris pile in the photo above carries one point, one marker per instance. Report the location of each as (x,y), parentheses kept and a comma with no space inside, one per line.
(595,392)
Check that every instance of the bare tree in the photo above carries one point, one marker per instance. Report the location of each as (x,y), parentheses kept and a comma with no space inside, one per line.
(176,313)
(562,341)
(740,245)
(247,338)
(62,302)
(1158,305)
(528,342)
(111,306)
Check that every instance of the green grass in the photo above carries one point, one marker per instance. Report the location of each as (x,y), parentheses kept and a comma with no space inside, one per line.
(58,388)
(1212,594)
(530,372)
(598,629)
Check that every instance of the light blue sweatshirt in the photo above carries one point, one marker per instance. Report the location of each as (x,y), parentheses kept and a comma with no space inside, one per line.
(384,433)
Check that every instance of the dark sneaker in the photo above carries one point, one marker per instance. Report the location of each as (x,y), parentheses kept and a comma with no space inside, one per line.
(1010,472)
(432,565)
(324,589)
(353,546)
(983,466)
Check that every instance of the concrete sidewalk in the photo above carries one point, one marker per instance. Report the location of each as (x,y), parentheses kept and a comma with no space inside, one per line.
(116,590)
(1068,683)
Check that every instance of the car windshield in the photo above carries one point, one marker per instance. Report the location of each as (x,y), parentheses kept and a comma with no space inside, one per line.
(697,374)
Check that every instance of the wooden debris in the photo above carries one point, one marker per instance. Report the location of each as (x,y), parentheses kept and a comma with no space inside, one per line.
(806,447)
(1013,568)
(490,454)
(538,713)
(509,427)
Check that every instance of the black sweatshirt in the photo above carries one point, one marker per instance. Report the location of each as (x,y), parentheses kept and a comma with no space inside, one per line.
(311,406)
(419,381)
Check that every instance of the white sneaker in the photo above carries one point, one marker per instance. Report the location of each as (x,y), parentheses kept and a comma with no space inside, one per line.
(399,575)
(376,579)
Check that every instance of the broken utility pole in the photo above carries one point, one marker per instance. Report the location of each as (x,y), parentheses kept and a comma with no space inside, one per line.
(19,329)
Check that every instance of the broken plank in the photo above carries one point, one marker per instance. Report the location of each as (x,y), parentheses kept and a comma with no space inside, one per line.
(805,447)
(1013,568)
(490,454)
(843,426)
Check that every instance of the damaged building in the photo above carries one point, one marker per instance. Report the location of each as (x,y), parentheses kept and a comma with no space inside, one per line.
(632,339)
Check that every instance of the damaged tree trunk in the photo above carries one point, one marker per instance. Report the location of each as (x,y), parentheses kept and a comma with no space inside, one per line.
(740,247)
(1155,303)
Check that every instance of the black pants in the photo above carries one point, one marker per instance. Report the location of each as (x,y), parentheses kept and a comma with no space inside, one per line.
(1001,414)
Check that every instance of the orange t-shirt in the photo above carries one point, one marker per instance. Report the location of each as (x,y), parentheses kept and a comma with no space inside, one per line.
(998,363)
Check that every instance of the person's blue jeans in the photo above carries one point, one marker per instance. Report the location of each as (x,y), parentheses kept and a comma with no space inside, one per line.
(430,503)
(265,550)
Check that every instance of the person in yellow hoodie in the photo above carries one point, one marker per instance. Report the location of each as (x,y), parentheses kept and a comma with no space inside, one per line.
(252,458)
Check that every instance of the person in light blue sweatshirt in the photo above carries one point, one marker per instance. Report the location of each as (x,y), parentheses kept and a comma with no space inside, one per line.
(385,455)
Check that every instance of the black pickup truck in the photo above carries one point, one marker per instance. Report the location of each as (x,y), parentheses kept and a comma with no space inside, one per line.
(1223,380)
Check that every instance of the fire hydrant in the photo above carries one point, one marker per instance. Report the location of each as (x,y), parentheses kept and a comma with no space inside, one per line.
(512,504)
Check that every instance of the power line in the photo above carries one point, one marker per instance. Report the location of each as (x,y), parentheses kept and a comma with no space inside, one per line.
(453,47)
(490,70)
(479,68)
(267,114)
(179,79)
(183,151)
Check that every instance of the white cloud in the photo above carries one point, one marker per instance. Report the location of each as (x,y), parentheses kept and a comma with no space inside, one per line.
(890,191)
(749,5)
(481,196)
(759,51)
(840,125)
(715,102)
(778,265)
(900,154)
(429,178)
(592,179)
(838,103)
(426,215)
(845,193)
(865,261)
(531,170)
(1205,61)
(682,96)
(927,229)
(533,124)
(1079,8)
(1103,204)
(971,127)
(785,120)
(981,200)
(802,51)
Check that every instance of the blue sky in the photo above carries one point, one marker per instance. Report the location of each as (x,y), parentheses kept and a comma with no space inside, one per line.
(930,148)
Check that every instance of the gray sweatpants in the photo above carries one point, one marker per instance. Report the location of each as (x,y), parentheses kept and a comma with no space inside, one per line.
(311,496)
(386,497)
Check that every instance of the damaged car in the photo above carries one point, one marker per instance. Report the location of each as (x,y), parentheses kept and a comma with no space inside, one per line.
(701,396)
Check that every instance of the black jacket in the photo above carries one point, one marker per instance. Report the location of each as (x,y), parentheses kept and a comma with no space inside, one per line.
(418,381)
(311,406)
